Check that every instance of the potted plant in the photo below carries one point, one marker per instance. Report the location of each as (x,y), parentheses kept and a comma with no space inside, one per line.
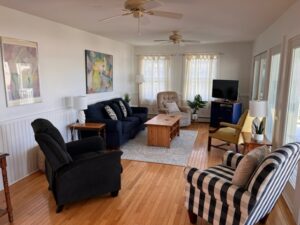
(195,105)
(127,98)
(259,131)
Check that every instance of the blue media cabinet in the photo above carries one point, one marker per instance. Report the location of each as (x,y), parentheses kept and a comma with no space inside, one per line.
(225,112)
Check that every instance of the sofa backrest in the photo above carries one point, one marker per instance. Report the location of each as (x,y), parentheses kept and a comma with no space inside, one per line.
(95,112)
(270,178)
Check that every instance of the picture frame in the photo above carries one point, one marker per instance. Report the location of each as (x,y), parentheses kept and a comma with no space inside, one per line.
(20,71)
(99,72)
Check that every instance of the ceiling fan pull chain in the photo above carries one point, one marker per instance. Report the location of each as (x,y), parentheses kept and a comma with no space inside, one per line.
(139,26)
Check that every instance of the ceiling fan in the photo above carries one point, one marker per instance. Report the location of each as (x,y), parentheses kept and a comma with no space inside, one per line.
(176,38)
(140,8)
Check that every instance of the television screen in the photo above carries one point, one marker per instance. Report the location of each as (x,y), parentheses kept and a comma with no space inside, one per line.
(225,89)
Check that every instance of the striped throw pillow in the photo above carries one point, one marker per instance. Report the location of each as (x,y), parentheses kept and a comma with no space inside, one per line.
(123,108)
(111,113)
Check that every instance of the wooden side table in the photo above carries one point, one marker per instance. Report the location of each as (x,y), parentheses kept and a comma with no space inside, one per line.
(8,209)
(250,143)
(98,127)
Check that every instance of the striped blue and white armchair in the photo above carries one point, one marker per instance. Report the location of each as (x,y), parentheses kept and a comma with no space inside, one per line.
(211,195)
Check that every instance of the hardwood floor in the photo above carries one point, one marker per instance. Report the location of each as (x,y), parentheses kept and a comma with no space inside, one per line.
(152,194)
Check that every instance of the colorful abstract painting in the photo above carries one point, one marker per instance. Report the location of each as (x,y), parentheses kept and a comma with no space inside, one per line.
(99,72)
(21,74)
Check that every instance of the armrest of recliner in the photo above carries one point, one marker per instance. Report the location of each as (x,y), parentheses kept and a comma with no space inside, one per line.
(104,162)
(139,110)
(163,111)
(90,144)
(232,159)
(220,189)
(185,109)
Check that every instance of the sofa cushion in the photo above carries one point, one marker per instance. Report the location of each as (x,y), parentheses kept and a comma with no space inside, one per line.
(123,109)
(96,112)
(117,110)
(133,119)
(142,117)
(248,165)
(172,107)
(128,108)
(244,170)
(128,126)
(260,152)
(110,112)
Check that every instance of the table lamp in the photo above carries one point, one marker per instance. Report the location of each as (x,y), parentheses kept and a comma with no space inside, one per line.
(258,109)
(80,104)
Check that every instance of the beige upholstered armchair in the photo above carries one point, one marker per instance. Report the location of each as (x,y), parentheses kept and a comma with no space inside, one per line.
(168,97)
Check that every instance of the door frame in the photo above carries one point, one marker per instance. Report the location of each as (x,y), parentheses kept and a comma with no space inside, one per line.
(290,193)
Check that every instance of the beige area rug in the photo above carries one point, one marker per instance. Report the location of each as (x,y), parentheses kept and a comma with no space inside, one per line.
(177,154)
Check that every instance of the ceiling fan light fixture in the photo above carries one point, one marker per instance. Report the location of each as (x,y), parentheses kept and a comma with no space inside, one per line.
(177,39)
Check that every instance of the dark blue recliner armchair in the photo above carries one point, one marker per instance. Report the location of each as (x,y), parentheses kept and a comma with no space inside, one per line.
(77,170)
(118,131)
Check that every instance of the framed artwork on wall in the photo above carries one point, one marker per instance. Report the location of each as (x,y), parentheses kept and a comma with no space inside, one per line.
(20,70)
(99,72)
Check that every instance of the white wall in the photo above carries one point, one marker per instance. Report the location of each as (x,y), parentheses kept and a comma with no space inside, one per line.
(61,61)
(62,73)
(285,28)
(235,62)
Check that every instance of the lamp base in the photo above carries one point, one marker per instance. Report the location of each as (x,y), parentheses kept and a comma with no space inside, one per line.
(81,117)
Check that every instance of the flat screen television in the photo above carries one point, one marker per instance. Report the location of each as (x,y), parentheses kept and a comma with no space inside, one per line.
(225,89)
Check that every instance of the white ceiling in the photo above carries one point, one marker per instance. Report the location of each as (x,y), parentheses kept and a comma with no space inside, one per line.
(208,21)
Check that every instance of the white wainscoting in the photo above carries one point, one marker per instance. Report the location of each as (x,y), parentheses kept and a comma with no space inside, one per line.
(17,139)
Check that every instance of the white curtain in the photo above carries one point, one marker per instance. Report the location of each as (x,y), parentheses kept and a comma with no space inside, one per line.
(200,70)
(273,84)
(156,72)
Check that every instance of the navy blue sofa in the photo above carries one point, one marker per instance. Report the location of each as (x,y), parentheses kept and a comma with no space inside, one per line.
(118,131)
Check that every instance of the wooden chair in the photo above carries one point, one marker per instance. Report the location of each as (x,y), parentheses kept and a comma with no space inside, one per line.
(227,132)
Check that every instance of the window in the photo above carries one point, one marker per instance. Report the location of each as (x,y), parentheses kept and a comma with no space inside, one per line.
(200,70)
(156,73)
(260,65)
(272,93)
(292,124)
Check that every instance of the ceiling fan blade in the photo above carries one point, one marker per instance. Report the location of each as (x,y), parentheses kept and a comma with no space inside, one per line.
(114,17)
(170,15)
(151,4)
(190,41)
(161,40)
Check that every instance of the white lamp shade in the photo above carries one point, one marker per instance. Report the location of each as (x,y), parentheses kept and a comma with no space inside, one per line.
(258,108)
(80,103)
(139,79)
(69,101)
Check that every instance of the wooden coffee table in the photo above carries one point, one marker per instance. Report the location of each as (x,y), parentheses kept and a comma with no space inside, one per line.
(162,129)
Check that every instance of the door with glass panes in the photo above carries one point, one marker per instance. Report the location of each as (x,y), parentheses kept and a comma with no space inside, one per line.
(259,78)
(292,125)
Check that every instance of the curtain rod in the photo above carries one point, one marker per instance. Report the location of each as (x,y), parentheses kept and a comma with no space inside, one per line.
(156,54)
(187,53)
(203,53)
